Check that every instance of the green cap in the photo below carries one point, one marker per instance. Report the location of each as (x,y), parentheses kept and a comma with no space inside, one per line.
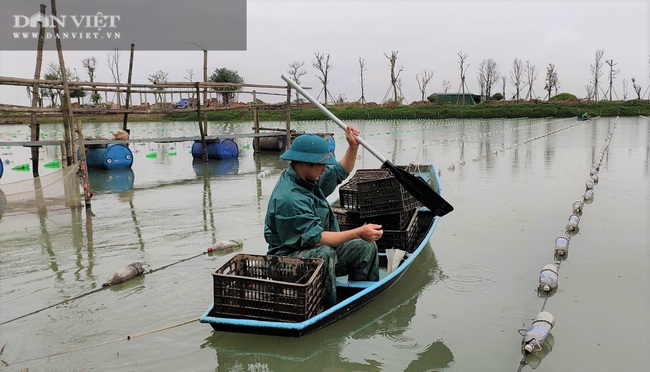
(310,148)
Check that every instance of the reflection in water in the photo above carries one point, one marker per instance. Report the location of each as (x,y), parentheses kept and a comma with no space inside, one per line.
(3,203)
(535,359)
(111,180)
(388,317)
(215,167)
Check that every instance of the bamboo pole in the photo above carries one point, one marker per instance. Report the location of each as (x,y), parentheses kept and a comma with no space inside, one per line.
(68,116)
(205,90)
(83,169)
(288,127)
(34,125)
(128,91)
(256,125)
(178,84)
(198,115)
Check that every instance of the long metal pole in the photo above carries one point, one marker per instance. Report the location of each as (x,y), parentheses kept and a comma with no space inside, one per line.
(327,112)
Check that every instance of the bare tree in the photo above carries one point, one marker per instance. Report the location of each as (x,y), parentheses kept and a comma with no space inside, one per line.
(158,77)
(551,80)
(113,59)
(624,82)
(462,58)
(590,91)
(637,88)
(189,74)
(394,77)
(322,63)
(481,86)
(296,73)
(531,76)
(423,80)
(90,64)
(612,76)
(488,73)
(362,68)
(504,79)
(596,71)
(517,77)
(446,85)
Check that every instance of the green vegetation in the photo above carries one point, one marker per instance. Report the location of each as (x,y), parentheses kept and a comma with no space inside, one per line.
(423,111)
(564,97)
(563,109)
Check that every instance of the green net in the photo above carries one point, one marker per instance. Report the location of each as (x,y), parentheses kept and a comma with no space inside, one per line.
(57,189)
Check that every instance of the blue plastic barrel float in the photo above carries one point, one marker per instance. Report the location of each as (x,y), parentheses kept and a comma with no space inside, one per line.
(111,180)
(2,168)
(331,144)
(221,148)
(112,156)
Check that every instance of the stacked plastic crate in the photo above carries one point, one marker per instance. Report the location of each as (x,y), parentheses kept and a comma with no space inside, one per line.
(375,196)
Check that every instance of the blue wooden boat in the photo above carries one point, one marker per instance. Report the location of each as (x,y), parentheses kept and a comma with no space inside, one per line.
(351,295)
(584,117)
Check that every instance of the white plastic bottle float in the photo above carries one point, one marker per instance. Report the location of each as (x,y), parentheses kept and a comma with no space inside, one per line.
(572,226)
(226,246)
(561,248)
(548,279)
(537,333)
(130,271)
(578,205)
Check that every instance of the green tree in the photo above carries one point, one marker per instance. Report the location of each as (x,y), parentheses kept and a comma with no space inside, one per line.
(226,75)
(159,77)
(53,72)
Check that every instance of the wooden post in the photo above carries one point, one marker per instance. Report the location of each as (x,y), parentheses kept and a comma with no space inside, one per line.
(83,169)
(205,90)
(288,128)
(67,119)
(34,125)
(198,115)
(64,155)
(128,90)
(256,124)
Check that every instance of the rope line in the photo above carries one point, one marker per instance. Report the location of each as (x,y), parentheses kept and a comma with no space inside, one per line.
(100,289)
(558,262)
(127,338)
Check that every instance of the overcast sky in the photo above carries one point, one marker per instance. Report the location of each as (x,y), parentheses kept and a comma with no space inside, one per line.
(427,34)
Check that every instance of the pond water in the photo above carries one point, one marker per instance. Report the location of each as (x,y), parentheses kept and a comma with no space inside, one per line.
(459,308)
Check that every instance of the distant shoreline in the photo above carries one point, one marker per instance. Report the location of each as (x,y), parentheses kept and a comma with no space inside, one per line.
(351,111)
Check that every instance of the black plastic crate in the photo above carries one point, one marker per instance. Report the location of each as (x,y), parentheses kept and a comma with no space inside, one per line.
(393,221)
(268,288)
(384,196)
(401,239)
(347,219)
(349,193)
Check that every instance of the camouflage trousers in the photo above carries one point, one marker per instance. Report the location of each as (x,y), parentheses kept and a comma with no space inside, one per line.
(358,259)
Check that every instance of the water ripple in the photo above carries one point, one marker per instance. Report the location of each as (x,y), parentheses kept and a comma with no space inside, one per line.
(471,279)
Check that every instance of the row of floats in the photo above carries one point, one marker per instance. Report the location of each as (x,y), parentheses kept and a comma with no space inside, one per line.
(118,156)
(537,340)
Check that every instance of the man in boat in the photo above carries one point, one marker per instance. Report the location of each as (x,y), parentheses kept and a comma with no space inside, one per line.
(299,220)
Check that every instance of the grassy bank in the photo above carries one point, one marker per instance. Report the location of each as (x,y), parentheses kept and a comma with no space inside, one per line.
(377,112)
(426,111)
